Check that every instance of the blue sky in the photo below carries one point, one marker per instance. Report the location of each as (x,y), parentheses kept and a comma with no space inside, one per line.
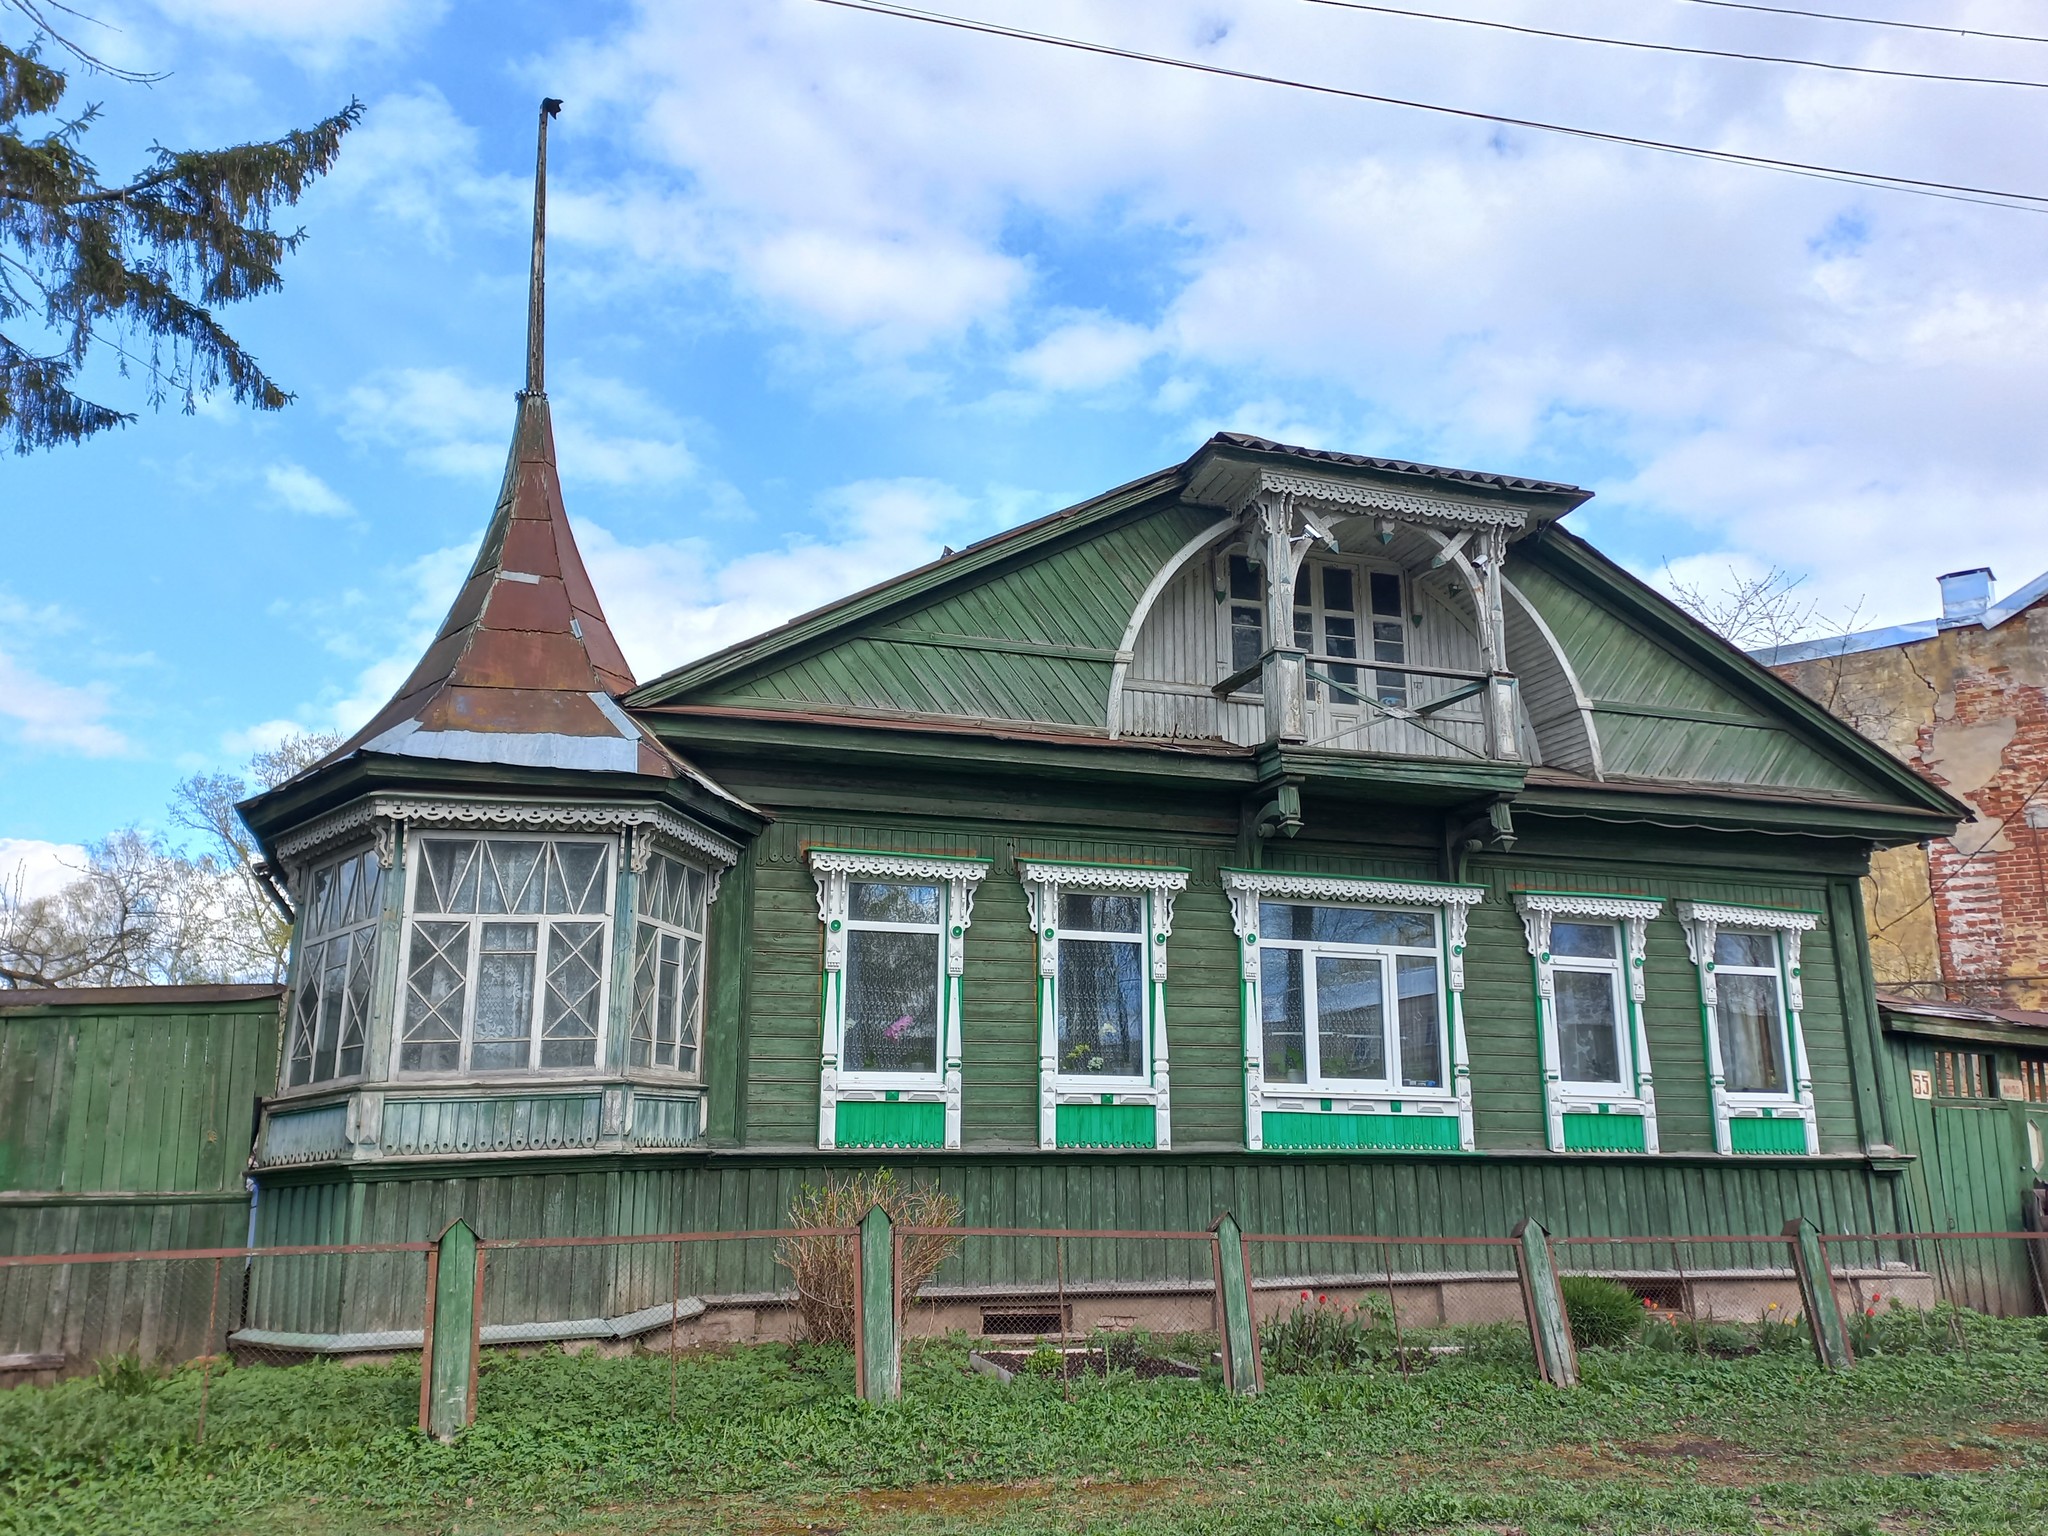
(829,290)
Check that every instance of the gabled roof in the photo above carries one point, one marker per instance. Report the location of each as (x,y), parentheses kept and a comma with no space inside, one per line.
(525,669)
(2011,606)
(1393,466)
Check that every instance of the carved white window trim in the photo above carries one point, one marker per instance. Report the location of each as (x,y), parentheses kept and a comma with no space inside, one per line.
(1043,881)
(1703,922)
(1632,916)
(1452,903)
(833,870)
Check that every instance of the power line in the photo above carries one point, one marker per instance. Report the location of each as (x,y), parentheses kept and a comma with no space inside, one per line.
(1710,53)
(1870,21)
(2026,202)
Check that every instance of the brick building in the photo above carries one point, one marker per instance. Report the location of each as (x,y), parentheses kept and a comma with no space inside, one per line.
(1964,699)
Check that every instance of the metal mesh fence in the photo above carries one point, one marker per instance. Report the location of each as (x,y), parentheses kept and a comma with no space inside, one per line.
(1064,1303)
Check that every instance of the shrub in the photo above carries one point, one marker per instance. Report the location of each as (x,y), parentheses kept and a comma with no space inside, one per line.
(1602,1313)
(128,1375)
(823,1267)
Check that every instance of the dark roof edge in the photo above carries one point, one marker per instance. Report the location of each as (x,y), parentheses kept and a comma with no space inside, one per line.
(1478,477)
(20,998)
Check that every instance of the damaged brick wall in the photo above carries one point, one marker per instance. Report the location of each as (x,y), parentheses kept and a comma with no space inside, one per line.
(1968,918)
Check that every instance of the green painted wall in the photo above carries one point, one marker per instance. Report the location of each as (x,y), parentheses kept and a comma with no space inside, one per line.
(128,1125)
(999,1072)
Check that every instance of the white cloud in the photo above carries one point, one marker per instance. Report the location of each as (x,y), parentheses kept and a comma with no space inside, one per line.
(30,867)
(313,31)
(1810,375)
(298,489)
(412,161)
(606,431)
(264,736)
(51,714)
(1086,353)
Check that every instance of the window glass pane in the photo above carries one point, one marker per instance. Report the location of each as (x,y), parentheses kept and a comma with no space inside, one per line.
(1101,1008)
(640,1039)
(694,885)
(1386,593)
(1346,925)
(1758,949)
(1305,629)
(671,962)
(355,1013)
(576,877)
(1422,1049)
(1337,593)
(320,902)
(1585,941)
(435,972)
(1244,579)
(504,997)
(1283,1015)
(892,1001)
(509,875)
(306,1016)
(871,901)
(690,989)
(1752,1050)
(1096,912)
(448,870)
(1422,1059)
(568,1023)
(1247,640)
(1351,1017)
(333,989)
(1588,1037)
(368,883)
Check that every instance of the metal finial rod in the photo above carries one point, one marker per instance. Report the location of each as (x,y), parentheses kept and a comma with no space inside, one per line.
(536,302)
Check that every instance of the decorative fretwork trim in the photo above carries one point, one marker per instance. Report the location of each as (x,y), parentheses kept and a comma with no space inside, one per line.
(916,866)
(502,813)
(1260,884)
(1350,497)
(1575,904)
(1724,916)
(1102,877)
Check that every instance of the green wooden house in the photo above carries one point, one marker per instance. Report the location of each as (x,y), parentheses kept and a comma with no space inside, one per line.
(1334,839)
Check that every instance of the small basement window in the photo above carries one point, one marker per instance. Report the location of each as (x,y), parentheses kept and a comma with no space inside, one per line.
(1023,1322)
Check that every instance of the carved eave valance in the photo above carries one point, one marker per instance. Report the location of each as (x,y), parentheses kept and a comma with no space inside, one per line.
(1332,496)
(379,814)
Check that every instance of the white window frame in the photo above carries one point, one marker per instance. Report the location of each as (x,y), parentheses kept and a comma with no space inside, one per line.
(415,856)
(1703,922)
(1631,917)
(310,948)
(834,869)
(646,848)
(1308,582)
(1451,905)
(1044,882)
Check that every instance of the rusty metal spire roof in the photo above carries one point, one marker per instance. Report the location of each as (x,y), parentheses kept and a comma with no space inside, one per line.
(525,669)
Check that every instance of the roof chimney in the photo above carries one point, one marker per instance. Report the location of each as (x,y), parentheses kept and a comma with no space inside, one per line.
(1965,595)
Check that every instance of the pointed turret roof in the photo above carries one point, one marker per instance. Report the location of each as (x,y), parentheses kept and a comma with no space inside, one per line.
(525,669)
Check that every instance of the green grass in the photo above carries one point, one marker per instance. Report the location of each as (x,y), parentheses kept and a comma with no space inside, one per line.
(770,1440)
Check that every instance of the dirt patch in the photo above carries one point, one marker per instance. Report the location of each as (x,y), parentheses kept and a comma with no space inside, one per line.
(2017,1431)
(881,1508)
(1928,1458)
(1672,1446)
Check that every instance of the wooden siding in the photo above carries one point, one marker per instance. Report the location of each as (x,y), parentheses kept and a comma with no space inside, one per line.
(1413,1196)
(1667,719)
(155,1099)
(1035,642)
(999,1107)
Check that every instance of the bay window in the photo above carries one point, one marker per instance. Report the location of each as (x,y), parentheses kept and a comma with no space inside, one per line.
(336,968)
(668,966)
(1751,995)
(1588,954)
(507,954)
